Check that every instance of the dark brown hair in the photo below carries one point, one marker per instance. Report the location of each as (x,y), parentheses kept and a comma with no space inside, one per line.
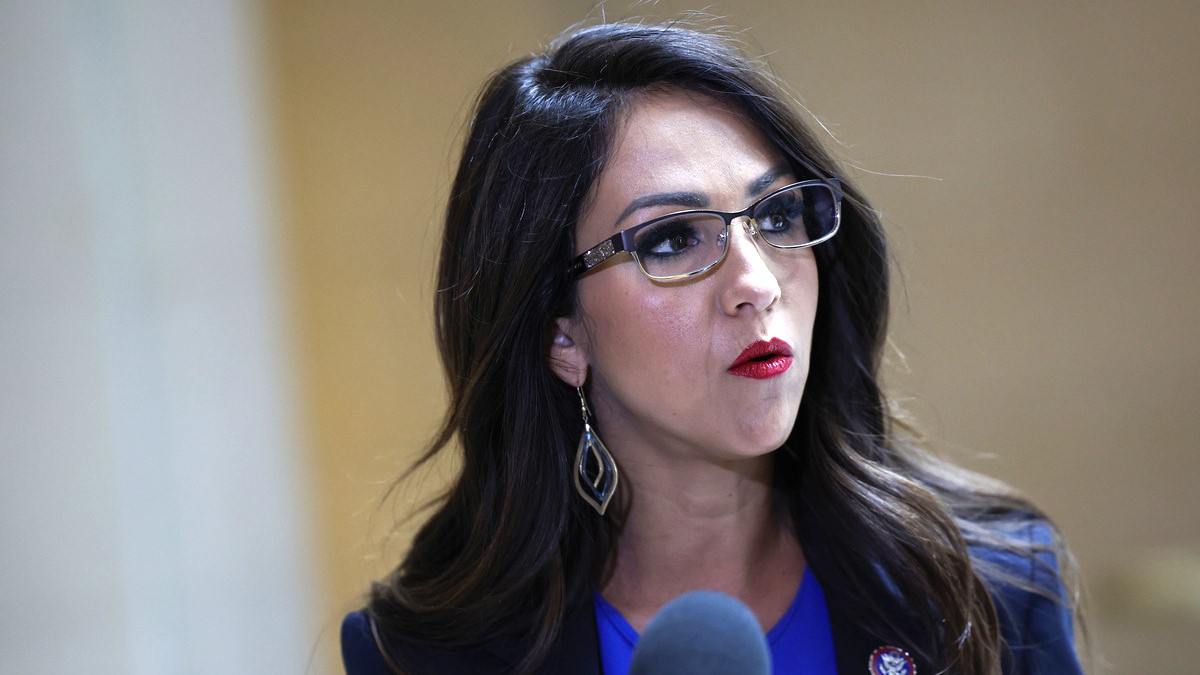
(511,548)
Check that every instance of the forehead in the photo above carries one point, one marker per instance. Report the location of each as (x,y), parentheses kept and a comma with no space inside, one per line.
(681,141)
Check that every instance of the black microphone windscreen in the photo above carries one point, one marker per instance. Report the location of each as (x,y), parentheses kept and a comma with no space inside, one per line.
(702,633)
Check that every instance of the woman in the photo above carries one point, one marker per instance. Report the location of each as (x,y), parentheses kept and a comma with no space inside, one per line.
(650,402)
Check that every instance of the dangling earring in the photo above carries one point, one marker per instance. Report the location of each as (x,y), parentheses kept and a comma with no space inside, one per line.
(596,486)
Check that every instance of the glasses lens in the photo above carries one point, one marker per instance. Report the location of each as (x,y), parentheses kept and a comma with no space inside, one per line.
(680,246)
(797,217)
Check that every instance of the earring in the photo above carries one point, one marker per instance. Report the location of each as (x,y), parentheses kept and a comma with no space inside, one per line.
(595,471)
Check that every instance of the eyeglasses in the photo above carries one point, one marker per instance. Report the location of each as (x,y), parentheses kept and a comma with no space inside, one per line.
(689,243)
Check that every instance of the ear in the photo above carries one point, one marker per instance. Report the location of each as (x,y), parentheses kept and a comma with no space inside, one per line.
(568,357)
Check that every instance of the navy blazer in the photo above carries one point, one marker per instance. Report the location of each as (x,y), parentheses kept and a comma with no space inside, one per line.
(1038,631)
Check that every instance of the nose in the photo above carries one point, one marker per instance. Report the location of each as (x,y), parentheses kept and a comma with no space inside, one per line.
(748,283)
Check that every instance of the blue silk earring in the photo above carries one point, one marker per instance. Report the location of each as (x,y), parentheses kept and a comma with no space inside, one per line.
(595,470)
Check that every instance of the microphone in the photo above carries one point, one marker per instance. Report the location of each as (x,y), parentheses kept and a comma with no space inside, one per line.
(702,633)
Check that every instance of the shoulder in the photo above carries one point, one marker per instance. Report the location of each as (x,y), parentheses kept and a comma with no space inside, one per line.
(1031,601)
(360,653)
(576,652)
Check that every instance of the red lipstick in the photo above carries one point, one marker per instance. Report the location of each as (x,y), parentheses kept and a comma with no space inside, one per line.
(762,360)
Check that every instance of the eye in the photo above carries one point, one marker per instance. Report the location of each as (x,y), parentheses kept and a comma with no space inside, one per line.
(670,238)
(780,214)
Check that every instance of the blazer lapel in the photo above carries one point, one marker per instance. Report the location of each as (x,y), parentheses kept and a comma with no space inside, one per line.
(577,651)
(862,652)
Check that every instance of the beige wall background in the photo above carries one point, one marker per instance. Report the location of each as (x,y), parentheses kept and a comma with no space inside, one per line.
(1037,165)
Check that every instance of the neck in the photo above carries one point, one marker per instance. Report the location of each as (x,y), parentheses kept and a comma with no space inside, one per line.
(704,525)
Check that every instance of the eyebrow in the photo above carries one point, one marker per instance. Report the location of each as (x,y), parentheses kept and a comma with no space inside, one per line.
(693,200)
(760,185)
(696,200)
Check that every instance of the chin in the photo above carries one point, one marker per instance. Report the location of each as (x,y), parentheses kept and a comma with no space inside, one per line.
(767,435)
(751,446)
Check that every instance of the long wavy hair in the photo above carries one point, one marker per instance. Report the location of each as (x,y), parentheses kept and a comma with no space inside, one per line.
(510,548)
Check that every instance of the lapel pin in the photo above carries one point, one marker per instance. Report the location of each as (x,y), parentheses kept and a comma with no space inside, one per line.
(891,661)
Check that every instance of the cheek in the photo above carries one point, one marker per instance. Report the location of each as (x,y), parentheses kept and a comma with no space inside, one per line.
(631,326)
(800,287)
(671,320)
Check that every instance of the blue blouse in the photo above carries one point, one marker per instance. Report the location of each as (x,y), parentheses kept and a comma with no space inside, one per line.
(801,642)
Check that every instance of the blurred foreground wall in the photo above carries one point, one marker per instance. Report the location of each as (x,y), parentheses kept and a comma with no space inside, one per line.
(153,508)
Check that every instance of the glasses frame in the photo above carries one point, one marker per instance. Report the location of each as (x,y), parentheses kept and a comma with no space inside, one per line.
(623,240)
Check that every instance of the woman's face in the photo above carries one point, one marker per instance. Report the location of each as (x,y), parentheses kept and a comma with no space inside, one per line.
(666,363)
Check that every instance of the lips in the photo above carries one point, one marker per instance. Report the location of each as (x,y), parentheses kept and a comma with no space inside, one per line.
(763,359)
